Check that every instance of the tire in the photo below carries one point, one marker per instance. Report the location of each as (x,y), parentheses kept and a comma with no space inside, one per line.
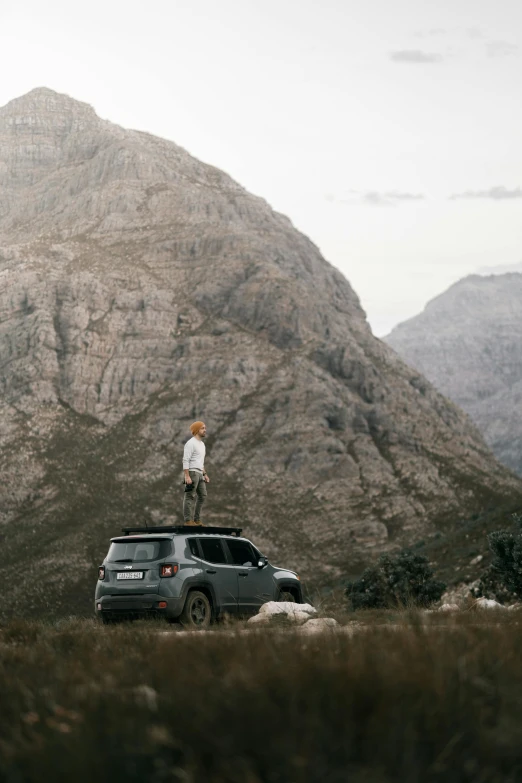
(197,612)
(284,595)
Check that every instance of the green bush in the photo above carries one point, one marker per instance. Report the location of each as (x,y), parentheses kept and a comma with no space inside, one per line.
(402,580)
(506,566)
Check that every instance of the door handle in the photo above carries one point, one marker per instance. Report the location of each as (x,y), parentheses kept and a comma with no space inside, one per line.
(211,572)
(242,573)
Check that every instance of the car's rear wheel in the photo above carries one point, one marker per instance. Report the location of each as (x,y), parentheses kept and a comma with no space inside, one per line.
(197,611)
(284,595)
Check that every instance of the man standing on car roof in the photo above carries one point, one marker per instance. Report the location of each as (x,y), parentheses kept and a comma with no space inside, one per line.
(196,476)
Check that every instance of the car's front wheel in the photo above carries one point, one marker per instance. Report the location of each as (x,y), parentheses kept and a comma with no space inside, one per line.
(197,612)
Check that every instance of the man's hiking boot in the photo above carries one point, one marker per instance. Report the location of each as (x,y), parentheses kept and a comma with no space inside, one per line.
(191,523)
(199,523)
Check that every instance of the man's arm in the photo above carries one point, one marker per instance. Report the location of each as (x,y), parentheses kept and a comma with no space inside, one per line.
(187,454)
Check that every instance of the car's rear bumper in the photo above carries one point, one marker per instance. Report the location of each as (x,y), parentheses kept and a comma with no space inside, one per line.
(111,607)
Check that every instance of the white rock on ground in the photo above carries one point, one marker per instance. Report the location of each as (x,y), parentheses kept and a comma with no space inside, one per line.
(449,608)
(260,619)
(487,603)
(288,607)
(319,624)
(459,593)
(146,697)
(299,618)
(296,613)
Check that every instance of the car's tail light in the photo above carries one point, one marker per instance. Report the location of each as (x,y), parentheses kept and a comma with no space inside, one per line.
(162,605)
(169,569)
(101,572)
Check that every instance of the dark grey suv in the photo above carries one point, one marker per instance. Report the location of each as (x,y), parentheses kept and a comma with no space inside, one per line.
(194,575)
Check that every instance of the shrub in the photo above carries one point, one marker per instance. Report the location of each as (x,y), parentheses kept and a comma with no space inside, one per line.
(507,557)
(404,579)
(124,703)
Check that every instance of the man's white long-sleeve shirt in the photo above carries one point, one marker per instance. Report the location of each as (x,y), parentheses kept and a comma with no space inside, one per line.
(194,455)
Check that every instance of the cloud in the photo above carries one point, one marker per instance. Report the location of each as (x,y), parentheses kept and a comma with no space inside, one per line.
(497,193)
(400,196)
(500,48)
(477,37)
(415,56)
(374,198)
(475,33)
(433,32)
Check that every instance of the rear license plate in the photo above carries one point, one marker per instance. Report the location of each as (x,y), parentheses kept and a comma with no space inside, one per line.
(129,575)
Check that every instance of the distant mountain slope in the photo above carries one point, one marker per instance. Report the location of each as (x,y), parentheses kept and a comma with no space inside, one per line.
(468,343)
(141,289)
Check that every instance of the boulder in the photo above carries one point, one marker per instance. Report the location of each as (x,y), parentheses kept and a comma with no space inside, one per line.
(260,619)
(457,594)
(288,607)
(299,618)
(319,624)
(487,603)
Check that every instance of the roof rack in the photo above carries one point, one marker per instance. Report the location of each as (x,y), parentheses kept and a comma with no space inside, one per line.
(224,531)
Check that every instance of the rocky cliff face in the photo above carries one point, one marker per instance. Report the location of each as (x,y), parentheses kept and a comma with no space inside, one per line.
(141,289)
(468,343)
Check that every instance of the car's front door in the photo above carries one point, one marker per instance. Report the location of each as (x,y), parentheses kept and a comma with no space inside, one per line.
(256,585)
(219,573)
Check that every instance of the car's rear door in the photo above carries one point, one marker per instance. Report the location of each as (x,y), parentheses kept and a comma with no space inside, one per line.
(219,573)
(256,585)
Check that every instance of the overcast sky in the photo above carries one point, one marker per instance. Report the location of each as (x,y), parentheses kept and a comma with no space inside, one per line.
(389,132)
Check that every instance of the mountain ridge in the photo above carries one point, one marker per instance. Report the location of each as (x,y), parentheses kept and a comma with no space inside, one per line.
(466,341)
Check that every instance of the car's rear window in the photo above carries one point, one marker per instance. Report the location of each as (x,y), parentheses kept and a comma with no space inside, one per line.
(139,551)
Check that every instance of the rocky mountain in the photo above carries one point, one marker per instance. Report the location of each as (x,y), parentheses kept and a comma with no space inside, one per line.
(468,343)
(141,289)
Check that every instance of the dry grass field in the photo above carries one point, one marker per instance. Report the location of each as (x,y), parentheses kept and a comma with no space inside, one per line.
(406,697)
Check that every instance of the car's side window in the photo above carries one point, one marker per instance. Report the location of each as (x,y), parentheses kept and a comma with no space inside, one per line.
(242,553)
(193,546)
(213,551)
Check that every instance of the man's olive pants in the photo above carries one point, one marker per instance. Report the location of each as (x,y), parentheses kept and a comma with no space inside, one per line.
(193,500)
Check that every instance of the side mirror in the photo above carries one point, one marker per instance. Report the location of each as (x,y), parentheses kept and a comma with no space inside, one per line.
(262,562)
